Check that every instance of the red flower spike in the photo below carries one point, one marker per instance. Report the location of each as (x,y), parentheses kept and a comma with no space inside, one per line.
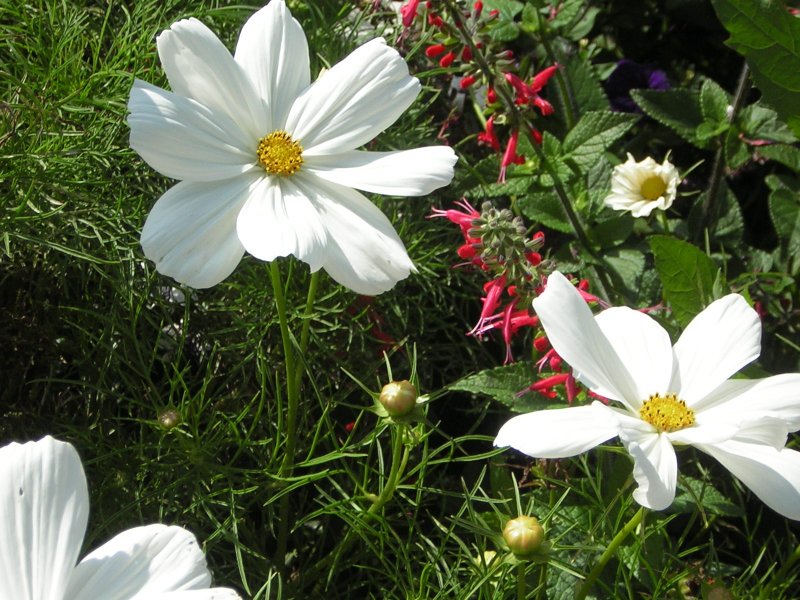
(541,343)
(467,81)
(408,11)
(447,60)
(489,137)
(435,50)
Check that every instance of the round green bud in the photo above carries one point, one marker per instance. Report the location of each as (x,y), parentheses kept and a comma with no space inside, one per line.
(398,398)
(169,419)
(524,536)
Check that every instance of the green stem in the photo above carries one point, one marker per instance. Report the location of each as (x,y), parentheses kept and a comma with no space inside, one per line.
(609,553)
(395,471)
(291,414)
(711,201)
(780,576)
(521,581)
(305,332)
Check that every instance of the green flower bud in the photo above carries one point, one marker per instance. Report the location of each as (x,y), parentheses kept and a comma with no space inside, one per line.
(169,419)
(524,536)
(398,398)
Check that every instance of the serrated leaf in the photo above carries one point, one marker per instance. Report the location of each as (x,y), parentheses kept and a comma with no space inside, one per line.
(508,8)
(530,19)
(513,186)
(761,123)
(504,383)
(687,276)
(786,155)
(713,102)
(766,34)
(784,207)
(628,264)
(736,151)
(544,208)
(504,31)
(694,493)
(678,109)
(584,84)
(593,134)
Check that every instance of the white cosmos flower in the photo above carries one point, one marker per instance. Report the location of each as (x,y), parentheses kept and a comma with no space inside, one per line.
(643,186)
(268,161)
(667,395)
(44,505)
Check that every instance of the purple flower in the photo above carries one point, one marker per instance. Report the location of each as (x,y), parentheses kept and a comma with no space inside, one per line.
(629,75)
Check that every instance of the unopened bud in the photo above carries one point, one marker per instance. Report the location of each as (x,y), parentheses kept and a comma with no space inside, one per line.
(169,419)
(524,536)
(398,398)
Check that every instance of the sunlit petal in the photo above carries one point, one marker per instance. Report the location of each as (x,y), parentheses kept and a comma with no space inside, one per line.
(560,432)
(44,506)
(655,467)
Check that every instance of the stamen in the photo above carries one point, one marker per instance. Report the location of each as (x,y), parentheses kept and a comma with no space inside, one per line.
(666,413)
(653,187)
(279,154)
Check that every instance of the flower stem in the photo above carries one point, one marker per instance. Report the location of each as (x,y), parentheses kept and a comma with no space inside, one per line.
(780,576)
(395,471)
(521,581)
(609,553)
(711,201)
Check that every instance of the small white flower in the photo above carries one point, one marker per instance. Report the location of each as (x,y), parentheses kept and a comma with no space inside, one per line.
(44,506)
(268,161)
(643,186)
(668,395)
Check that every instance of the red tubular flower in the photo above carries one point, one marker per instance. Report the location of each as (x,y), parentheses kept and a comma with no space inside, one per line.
(541,343)
(447,60)
(408,11)
(545,386)
(536,135)
(491,96)
(477,8)
(466,54)
(489,137)
(467,81)
(520,89)
(494,290)
(543,105)
(463,219)
(541,78)
(435,50)
(510,155)
(435,20)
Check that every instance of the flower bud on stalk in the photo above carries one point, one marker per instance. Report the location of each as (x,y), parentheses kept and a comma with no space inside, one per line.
(524,536)
(398,398)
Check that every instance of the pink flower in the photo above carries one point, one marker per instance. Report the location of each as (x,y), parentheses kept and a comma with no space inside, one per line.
(408,11)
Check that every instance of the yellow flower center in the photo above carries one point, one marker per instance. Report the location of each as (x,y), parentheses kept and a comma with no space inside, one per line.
(279,154)
(666,413)
(653,187)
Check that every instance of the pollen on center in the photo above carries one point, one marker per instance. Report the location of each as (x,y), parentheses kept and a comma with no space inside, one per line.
(666,413)
(279,154)
(653,187)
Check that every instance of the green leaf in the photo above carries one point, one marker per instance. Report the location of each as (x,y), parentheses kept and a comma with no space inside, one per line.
(786,155)
(504,383)
(694,494)
(508,8)
(766,34)
(713,102)
(784,207)
(761,123)
(678,109)
(544,208)
(593,134)
(612,232)
(584,84)
(628,264)
(504,31)
(687,276)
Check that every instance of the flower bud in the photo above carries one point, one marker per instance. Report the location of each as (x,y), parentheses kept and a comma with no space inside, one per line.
(398,398)
(524,536)
(169,419)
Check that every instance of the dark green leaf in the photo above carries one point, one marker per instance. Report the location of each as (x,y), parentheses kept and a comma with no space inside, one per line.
(713,102)
(687,276)
(677,109)
(694,493)
(784,207)
(593,134)
(544,208)
(761,123)
(766,34)
(504,383)
(786,155)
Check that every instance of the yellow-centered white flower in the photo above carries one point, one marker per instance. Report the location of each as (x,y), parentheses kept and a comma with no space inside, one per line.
(44,504)
(268,161)
(665,395)
(641,187)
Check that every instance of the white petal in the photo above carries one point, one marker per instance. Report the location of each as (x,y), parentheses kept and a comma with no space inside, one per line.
(191,232)
(777,396)
(561,432)
(576,336)
(273,51)
(199,67)
(407,173)
(643,346)
(655,467)
(704,431)
(209,594)
(140,562)
(44,505)
(353,101)
(278,220)
(185,140)
(718,342)
(772,474)
(363,251)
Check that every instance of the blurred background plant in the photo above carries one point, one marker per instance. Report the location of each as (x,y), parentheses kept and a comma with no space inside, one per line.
(169,393)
